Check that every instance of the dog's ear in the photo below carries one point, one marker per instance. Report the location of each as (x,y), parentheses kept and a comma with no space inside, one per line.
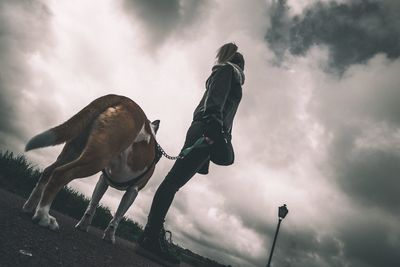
(155,125)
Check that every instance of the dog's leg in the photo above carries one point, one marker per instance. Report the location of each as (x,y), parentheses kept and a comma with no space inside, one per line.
(62,176)
(126,201)
(98,193)
(33,200)
(42,216)
(68,154)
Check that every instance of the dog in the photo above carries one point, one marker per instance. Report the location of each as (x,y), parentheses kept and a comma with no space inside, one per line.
(113,135)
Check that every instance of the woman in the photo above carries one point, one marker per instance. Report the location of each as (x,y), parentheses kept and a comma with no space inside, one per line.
(212,121)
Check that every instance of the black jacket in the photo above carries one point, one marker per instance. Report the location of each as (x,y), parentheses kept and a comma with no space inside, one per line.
(221,98)
(219,104)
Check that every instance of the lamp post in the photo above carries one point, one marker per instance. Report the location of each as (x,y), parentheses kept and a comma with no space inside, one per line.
(282,212)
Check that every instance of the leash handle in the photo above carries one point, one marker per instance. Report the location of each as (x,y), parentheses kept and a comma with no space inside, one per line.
(201,142)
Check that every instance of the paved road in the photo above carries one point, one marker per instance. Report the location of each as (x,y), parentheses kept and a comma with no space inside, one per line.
(23,243)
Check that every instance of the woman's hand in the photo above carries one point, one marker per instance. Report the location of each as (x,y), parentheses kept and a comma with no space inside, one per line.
(213,130)
(209,140)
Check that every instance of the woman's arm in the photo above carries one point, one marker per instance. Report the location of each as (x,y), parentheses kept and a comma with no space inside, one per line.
(218,91)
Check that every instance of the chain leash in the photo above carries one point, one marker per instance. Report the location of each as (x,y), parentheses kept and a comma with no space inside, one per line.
(162,151)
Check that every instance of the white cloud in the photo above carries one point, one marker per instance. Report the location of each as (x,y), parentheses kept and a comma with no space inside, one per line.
(298,129)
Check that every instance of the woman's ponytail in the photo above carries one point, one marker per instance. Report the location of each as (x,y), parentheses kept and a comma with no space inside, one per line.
(226,52)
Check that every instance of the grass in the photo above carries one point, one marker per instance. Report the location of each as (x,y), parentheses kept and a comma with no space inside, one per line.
(17,175)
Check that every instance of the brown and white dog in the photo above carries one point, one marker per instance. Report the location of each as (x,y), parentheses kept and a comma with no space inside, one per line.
(111,134)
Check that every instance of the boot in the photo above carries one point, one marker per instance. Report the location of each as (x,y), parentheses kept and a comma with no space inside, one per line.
(156,247)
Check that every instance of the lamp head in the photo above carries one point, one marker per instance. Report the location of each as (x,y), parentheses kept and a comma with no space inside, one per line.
(282,211)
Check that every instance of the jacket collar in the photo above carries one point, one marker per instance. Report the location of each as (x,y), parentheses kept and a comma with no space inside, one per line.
(239,74)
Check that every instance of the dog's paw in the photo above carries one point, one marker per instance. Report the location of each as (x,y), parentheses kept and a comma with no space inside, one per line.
(28,208)
(83,225)
(53,225)
(109,234)
(45,220)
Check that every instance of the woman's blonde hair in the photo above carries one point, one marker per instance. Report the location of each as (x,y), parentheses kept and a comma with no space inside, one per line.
(226,52)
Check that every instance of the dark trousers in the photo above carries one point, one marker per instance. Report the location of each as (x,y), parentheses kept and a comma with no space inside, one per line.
(182,171)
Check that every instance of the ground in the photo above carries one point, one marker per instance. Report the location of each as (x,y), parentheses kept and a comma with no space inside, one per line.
(23,243)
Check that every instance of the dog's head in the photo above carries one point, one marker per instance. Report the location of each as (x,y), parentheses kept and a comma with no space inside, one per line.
(154,126)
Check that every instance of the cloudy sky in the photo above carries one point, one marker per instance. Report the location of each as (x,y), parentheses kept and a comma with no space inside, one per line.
(317,129)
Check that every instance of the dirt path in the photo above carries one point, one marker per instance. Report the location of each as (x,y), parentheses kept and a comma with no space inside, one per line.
(23,243)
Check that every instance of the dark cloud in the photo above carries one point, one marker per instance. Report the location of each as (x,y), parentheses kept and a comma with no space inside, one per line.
(355,244)
(362,118)
(353,31)
(368,175)
(23,26)
(370,241)
(360,240)
(278,34)
(307,248)
(161,18)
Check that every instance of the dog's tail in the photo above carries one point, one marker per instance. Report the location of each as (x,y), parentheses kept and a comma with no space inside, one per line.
(75,125)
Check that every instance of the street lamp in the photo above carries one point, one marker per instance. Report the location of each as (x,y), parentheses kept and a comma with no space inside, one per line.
(282,212)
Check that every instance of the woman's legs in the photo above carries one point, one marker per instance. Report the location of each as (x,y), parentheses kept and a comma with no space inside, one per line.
(153,238)
(182,171)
